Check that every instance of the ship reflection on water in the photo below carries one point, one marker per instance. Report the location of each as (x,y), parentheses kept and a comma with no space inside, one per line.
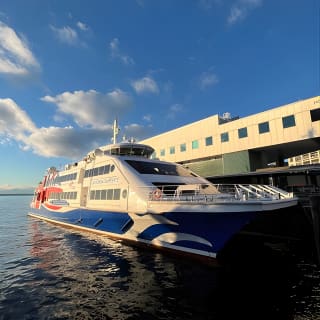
(78,276)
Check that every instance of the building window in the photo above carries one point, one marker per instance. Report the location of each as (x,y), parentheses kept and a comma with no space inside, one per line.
(172,150)
(209,141)
(225,137)
(288,121)
(264,127)
(195,144)
(242,133)
(183,147)
(315,114)
(162,152)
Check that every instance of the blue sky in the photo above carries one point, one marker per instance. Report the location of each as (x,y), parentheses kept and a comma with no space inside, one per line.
(68,68)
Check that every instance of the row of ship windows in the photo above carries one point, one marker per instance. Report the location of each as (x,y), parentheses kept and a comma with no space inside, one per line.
(58,179)
(107,194)
(99,171)
(263,127)
(88,173)
(63,195)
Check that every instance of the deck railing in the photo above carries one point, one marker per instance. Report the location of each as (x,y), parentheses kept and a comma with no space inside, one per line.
(217,192)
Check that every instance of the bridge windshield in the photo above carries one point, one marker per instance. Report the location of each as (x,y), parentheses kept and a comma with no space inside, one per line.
(144,167)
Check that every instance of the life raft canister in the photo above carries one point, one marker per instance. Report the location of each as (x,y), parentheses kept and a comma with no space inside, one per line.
(156,194)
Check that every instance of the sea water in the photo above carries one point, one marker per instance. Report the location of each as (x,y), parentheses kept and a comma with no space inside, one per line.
(48,272)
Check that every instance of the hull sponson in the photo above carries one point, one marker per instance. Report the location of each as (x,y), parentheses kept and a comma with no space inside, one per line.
(195,233)
(216,228)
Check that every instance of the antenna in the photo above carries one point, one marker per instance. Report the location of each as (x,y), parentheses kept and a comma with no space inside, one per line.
(116,130)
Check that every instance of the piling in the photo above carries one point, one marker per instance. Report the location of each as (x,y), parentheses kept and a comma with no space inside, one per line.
(315,214)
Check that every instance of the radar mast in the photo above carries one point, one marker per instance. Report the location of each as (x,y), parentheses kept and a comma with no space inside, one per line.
(116,130)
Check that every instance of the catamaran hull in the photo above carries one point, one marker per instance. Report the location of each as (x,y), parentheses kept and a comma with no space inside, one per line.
(192,233)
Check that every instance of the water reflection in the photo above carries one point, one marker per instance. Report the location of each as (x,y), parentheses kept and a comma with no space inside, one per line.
(69,275)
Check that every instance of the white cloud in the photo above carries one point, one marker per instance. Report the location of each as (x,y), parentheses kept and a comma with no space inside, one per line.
(14,122)
(91,108)
(117,54)
(4,141)
(66,35)
(207,79)
(66,142)
(82,26)
(146,84)
(15,56)
(135,131)
(240,9)
(208,4)
(174,110)
(147,117)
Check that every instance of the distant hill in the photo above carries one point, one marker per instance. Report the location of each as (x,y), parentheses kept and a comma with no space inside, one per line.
(24,191)
(16,194)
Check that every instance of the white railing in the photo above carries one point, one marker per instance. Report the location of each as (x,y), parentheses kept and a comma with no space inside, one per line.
(216,192)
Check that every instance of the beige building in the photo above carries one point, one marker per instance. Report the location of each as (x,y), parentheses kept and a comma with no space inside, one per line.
(225,145)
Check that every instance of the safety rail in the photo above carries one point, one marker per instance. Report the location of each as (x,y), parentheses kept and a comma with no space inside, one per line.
(217,192)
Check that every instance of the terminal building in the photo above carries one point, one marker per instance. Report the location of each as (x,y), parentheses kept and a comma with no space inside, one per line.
(222,146)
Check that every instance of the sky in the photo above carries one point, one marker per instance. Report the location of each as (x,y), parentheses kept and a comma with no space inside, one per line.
(69,68)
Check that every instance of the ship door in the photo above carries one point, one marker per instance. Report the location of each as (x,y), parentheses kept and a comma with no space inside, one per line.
(124,195)
(83,197)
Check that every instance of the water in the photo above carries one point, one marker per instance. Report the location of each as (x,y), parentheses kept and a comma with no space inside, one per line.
(47,272)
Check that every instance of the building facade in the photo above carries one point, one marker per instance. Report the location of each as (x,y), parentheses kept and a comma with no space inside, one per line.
(225,145)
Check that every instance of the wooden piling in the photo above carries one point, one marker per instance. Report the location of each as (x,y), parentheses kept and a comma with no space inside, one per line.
(315,214)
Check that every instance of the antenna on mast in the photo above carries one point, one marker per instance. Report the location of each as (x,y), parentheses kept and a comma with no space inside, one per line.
(116,130)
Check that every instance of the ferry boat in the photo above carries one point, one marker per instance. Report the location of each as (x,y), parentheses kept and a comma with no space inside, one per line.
(120,191)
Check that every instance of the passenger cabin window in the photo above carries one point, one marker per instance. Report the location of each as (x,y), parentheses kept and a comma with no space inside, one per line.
(63,195)
(67,177)
(264,127)
(209,141)
(315,115)
(97,171)
(224,137)
(288,121)
(159,168)
(242,133)
(105,194)
(172,150)
(130,150)
(162,152)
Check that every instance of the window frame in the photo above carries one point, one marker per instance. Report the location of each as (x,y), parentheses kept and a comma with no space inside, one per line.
(209,141)
(195,144)
(288,121)
(315,114)
(224,137)
(264,127)
(183,147)
(243,133)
